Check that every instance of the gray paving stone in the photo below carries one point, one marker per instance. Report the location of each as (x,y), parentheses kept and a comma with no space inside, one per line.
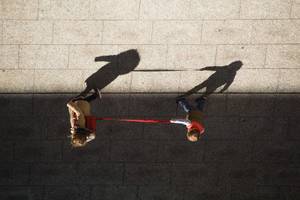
(190,56)
(223,128)
(289,81)
(43,57)
(111,105)
(9,56)
(27,32)
(53,174)
(127,32)
(164,132)
(287,105)
(279,174)
(295,9)
(293,128)
(16,9)
(265,9)
(275,31)
(184,151)
(243,174)
(147,174)
(119,131)
(205,9)
(14,173)
(164,81)
(105,174)
(282,151)
(255,192)
(176,32)
(207,192)
(263,128)
(134,151)
(228,151)
(252,56)
(38,151)
(94,151)
(226,32)
(192,175)
(16,104)
(283,56)
(50,10)
(152,105)
(116,9)
(251,105)
(216,106)
(22,192)
(265,80)
(292,192)
(158,192)
(57,103)
(57,127)
(22,128)
(77,32)
(20,81)
(114,192)
(64,81)
(178,9)
(67,192)
(6,151)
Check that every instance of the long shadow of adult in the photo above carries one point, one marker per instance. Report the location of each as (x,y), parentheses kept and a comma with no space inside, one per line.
(224,75)
(119,64)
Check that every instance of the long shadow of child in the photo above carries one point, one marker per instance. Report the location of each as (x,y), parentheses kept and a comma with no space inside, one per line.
(224,75)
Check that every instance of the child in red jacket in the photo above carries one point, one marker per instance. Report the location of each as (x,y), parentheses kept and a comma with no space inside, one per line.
(194,118)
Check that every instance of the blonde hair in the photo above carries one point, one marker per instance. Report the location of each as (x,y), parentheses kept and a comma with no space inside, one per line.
(193,133)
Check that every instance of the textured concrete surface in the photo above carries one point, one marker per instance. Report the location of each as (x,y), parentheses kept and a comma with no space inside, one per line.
(251,146)
(250,150)
(54,38)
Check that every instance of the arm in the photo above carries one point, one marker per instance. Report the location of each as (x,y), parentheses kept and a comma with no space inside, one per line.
(74,108)
(185,122)
(91,137)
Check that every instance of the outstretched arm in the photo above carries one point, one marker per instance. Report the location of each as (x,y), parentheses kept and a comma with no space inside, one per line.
(185,122)
(210,68)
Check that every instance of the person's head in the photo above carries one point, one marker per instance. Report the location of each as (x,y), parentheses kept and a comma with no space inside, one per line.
(79,137)
(193,135)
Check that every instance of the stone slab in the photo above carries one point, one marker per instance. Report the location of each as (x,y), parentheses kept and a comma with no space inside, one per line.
(77,32)
(43,57)
(176,32)
(9,56)
(19,9)
(27,32)
(69,9)
(115,9)
(127,32)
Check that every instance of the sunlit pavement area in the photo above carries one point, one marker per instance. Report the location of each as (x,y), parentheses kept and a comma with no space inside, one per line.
(250,149)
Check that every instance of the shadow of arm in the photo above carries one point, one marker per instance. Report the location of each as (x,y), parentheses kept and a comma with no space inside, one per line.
(105,58)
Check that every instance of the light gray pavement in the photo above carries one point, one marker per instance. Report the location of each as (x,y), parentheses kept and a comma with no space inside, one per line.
(50,46)
(251,146)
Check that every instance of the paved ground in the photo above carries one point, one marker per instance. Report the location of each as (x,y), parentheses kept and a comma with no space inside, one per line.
(251,147)
(50,46)
(250,150)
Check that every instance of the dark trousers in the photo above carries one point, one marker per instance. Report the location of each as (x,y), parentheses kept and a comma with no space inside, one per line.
(187,107)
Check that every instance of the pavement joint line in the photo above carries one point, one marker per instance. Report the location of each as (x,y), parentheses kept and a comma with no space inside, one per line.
(161,19)
(157,44)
